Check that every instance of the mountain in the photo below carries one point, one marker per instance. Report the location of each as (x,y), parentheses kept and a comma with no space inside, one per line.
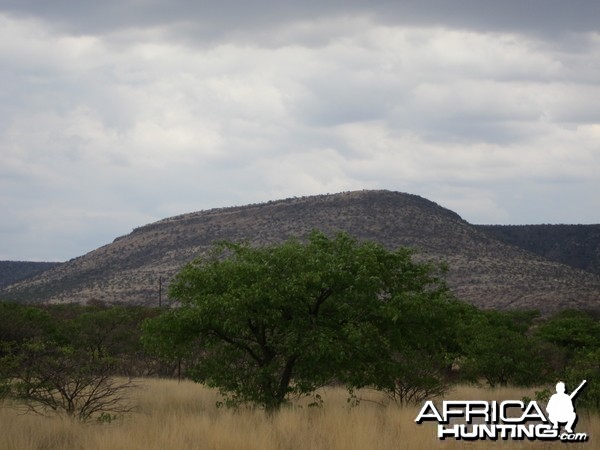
(482,269)
(574,245)
(13,271)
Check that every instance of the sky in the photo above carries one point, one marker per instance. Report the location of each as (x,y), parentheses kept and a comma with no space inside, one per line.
(118,113)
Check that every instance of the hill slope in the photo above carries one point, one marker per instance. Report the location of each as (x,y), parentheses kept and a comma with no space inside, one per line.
(483,270)
(13,271)
(574,245)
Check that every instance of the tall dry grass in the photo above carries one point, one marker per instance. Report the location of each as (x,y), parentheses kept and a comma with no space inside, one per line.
(173,415)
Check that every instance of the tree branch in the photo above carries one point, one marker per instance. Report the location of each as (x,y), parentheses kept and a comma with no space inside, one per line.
(237,344)
(325,293)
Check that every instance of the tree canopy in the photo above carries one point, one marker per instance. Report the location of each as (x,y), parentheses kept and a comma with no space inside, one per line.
(286,319)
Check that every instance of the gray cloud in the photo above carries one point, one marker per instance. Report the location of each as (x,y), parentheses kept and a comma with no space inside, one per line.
(206,18)
(115,114)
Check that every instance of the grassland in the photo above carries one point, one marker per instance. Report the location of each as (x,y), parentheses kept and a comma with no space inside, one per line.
(173,415)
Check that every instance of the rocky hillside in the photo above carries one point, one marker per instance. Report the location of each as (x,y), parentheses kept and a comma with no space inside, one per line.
(483,270)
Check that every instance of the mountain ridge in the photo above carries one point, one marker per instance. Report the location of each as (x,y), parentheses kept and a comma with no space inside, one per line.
(482,269)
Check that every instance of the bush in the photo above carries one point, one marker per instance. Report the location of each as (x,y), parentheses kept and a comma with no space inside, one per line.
(47,377)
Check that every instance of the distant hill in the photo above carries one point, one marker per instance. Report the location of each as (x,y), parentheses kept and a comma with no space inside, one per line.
(574,245)
(482,269)
(13,271)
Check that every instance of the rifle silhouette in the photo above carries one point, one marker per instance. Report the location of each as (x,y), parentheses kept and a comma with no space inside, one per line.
(574,393)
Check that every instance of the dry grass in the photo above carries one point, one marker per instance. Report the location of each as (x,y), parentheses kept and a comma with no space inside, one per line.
(184,416)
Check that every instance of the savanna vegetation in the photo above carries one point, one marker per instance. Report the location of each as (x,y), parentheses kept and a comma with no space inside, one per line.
(172,415)
(280,329)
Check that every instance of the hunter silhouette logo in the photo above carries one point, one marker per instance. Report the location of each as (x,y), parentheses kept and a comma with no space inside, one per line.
(509,419)
(560,407)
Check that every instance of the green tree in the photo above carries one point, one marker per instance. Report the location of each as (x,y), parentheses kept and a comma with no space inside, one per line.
(426,343)
(498,348)
(171,338)
(284,320)
(571,331)
(111,331)
(21,322)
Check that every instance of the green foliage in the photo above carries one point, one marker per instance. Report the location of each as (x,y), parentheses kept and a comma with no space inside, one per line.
(266,324)
(426,344)
(99,329)
(113,332)
(575,340)
(171,335)
(571,331)
(543,395)
(585,366)
(21,322)
(509,347)
(284,320)
(497,348)
(65,358)
(106,418)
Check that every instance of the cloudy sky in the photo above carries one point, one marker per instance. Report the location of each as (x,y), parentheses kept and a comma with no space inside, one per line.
(118,113)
